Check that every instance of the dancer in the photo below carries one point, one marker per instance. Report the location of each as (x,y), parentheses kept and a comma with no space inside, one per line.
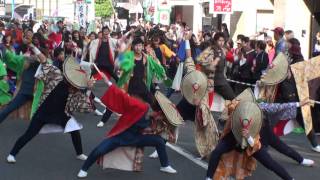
(130,128)
(242,165)
(138,71)
(60,97)
(25,68)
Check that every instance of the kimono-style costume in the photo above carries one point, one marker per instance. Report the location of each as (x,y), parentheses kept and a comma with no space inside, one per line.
(206,132)
(53,113)
(126,135)
(22,99)
(137,76)
(228,159)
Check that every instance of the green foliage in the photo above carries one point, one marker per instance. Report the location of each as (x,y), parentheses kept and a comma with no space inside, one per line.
(103,8)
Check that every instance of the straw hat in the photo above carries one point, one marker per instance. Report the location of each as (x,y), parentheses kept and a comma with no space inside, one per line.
(194,86)
(246,95)
(74,74)
(169,109)
(278,73)
(247,115)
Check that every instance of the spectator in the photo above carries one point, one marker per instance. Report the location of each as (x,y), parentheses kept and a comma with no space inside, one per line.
(316,50)
(260,63)
(281,43)
(224,29)
(270,49)
(288,35)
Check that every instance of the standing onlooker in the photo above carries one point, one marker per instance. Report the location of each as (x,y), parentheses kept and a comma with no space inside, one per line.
(288,35)
(221,85)
(260,63)
(224,29)
(281,42)
(316,50)
(270,49)
(229,56)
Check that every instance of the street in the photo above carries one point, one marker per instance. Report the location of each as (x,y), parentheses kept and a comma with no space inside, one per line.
(52,157)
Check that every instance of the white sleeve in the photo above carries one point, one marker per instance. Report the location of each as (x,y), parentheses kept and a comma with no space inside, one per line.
(250,140)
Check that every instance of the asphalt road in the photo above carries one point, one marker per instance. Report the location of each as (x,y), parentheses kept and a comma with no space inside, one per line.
(52,157)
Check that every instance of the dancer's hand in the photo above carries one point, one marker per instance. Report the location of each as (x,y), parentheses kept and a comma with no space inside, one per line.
(91,83)
(305,102)
(105,78)
(245,133)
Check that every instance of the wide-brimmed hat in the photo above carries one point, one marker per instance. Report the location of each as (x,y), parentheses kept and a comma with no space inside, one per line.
(169,109)
(74,74)
(246,95)
(247,115)
(278,72)
(194,86)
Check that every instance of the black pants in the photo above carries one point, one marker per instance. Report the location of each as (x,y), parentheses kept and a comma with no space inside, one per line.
(225,91)
(15,104)
(269,138)
(106,116)
(228,143)
(187,110)
(34,128)
(311,136)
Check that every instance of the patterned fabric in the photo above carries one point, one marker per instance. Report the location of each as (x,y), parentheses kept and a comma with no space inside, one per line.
(205,60)
(277,111)
(123,158)
(162,127)
(234,163)
(206,131)
(304,73)
(52,76)
(138,159)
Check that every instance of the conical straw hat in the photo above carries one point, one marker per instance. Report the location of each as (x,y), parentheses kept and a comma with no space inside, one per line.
(247,115)
(76,76)
(278,73)
(169,109)
(194,86)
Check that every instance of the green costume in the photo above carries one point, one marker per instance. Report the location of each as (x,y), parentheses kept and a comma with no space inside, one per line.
(153,69)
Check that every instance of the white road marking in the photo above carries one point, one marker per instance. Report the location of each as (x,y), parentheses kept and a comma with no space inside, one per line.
(188,155)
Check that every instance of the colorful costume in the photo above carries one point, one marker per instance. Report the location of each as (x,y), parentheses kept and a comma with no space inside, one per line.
(206,132)
(137,76)
(240,163)
(127,134)
(59,99)
(25,70)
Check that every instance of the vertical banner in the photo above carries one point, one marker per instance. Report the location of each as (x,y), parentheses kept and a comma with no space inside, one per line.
(163,12)
(81,14)
(149,7)
(220,7)
(164,17)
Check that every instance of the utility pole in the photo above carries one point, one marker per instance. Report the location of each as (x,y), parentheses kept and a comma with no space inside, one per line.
(12,9)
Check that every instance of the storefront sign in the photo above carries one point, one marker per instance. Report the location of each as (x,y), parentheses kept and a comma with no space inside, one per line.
(220,7)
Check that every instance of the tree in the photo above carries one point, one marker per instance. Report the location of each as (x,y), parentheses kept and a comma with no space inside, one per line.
(103,8)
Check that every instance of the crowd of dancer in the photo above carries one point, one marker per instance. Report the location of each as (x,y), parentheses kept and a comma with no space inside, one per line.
(38,82)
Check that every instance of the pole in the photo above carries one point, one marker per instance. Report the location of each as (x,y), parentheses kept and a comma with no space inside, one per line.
(12,9)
